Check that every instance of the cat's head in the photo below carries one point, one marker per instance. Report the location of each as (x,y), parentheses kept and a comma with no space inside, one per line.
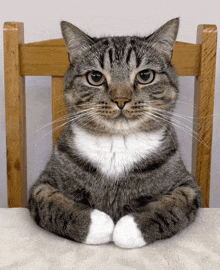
(120,85)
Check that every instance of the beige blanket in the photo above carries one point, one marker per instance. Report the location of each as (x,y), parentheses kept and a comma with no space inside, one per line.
(23,245)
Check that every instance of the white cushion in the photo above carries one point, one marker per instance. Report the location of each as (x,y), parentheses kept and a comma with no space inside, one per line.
(24,245)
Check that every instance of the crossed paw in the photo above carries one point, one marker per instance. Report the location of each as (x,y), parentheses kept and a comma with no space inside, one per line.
(124,234)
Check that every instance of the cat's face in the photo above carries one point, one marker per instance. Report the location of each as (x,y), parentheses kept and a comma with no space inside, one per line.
(120,85)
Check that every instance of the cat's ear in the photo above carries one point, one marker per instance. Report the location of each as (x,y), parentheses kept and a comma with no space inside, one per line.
(164,38)
(76,40)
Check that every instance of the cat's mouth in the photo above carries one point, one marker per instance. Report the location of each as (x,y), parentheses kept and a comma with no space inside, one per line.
(128,115)
(121,116)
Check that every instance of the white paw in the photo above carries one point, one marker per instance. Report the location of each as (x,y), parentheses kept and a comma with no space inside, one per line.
(126,233)
(101,228)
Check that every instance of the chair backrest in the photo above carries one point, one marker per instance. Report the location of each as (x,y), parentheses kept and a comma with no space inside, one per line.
(49,58)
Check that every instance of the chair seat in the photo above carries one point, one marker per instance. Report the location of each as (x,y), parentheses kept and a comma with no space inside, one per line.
(24,245)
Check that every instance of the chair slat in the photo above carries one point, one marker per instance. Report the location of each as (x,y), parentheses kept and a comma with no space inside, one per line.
(59,110)
(203,108)
(49,58)
(15,116)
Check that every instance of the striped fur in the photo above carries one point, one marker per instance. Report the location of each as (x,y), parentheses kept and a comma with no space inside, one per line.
(116,173)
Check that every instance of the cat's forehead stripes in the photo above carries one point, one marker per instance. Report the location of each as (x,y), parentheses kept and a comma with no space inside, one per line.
(121,58)
(116,54)
(119,51)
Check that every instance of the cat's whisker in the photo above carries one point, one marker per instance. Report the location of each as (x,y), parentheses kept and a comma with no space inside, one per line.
(51,123)
(152,116)
(179,102)
(57,97)
(65,109)
(191,120)
(183,127)
(186,117)
(187,104)
(79,106)
(85,112)
(164,119)
(53,130)
(60,126)
(90,118)
(196,136)
(187,99)
(82,115)
(63,118)
(80,112)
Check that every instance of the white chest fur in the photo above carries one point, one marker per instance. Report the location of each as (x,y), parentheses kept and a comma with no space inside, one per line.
(115,155)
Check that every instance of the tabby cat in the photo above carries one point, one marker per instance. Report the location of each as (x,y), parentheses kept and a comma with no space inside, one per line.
(116,173)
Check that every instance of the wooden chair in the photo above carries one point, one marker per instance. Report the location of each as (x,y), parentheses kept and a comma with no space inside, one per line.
(49,58)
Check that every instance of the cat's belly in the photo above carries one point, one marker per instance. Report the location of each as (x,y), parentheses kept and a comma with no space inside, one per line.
(114,206)
(119,199)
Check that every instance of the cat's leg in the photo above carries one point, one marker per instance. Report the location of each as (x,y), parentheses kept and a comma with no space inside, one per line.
(159,220)
(56,213)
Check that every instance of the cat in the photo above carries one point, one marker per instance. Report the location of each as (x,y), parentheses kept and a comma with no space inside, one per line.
(116,173)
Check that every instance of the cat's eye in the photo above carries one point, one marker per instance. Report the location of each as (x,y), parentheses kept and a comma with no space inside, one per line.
(95,78)
(145,76)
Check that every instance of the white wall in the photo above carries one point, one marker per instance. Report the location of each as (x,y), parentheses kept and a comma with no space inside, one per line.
(41,20)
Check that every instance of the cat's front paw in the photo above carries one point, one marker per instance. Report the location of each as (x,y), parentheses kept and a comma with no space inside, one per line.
(126,233)
(101,228)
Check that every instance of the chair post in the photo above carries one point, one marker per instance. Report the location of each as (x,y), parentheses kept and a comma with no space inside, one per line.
(15,116)
(59,111)
(203,108)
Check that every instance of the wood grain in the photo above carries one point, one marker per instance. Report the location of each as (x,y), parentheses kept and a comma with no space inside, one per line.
(59,110)
(15,116)
(50,58)
(203,108)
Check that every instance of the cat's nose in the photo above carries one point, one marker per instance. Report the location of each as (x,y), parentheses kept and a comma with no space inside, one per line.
(121,102)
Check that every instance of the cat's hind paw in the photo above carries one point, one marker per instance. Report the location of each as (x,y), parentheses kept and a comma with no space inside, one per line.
(101,228)
(126,233)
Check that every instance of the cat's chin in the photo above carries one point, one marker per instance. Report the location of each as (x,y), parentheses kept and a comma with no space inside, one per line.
(120,126)
(123,125)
